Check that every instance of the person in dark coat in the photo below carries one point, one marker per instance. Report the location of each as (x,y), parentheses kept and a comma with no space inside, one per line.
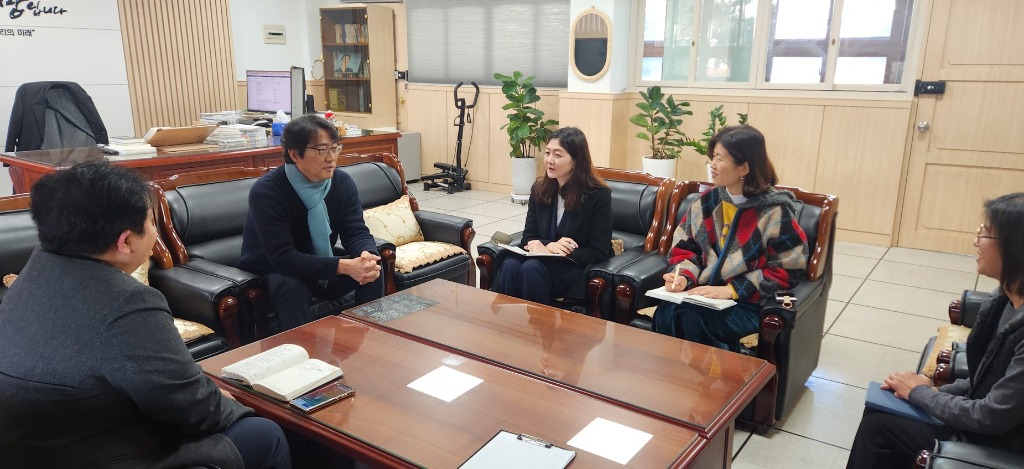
(569,215)
(297,213)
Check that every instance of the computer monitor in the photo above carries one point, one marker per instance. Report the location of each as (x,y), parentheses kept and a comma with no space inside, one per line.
(268,91)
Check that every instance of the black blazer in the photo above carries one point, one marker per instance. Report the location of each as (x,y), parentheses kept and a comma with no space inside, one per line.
(590,226)
(28,117)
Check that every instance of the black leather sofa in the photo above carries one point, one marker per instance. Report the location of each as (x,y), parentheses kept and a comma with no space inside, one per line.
(188,301)
(639,210)
(960,455)
(380,179)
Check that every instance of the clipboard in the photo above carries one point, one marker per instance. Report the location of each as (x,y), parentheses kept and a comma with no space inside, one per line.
(507,450)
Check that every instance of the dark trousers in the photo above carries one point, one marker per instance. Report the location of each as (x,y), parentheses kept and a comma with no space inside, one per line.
(722,329)
(535,280)
(293,296)
(261,443)
(884,440)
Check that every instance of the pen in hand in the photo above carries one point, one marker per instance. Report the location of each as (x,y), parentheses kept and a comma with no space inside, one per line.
(675,277)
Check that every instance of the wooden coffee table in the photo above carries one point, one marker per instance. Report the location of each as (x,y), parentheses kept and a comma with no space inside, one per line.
(702,388)
(387,423)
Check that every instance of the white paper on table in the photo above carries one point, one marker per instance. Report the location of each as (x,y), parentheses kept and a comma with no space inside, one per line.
(445,383)
(610,440)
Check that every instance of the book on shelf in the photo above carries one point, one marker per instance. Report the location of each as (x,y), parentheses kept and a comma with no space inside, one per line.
(339,36)
(350,33)
(283,372)
(682,297)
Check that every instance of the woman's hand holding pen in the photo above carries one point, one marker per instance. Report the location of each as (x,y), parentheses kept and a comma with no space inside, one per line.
(563,246)
(673,281)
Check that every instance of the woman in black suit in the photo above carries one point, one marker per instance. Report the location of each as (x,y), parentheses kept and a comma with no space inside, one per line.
(570,215)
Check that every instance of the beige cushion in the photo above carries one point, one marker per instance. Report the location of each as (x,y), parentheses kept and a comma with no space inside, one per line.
(617,247)
(948,334)
(394,222)
(190,331)
(420,253)
(9,279)
(649,311)
(142,274)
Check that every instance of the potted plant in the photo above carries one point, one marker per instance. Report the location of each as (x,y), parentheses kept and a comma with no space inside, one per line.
(527,130)
(717,120)
(660,118)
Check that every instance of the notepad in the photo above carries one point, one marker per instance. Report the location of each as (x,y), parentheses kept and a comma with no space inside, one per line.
(522,252)
(682,297)
(886,401)
(508,450)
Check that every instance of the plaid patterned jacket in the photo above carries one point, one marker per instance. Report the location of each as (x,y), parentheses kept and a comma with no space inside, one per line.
(765,249)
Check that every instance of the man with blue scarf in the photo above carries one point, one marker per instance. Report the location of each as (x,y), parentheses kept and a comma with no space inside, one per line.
(297,212)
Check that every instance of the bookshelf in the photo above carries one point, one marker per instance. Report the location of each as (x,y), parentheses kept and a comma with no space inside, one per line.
(359,63)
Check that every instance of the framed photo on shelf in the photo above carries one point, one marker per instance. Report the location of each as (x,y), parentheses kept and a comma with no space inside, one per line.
(347,64)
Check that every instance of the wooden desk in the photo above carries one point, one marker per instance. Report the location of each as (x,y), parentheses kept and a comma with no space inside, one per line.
(700,387)
(28,166)
(388,423)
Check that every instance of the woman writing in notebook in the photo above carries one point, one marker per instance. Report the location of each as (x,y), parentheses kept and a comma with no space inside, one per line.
(987,408)
(740,240)
(569,214)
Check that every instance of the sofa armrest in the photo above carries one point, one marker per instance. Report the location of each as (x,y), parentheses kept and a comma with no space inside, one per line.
(446,228)
(226,272)
(634,273)
(490,256)
(197,296)
(970,305)
(962,455)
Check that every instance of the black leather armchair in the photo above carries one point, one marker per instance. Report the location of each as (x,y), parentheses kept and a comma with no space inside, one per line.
(381,180)
(789,338)
(18,232)
(961,455)
(200,216)
(639,211)
(951,363)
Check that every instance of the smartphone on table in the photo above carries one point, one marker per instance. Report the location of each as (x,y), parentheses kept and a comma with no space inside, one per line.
(323,397)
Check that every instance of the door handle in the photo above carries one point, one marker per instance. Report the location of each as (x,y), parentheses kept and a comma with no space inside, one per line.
(923,126)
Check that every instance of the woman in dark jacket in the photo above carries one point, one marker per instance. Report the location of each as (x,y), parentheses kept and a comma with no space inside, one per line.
(988,407)
(570,216)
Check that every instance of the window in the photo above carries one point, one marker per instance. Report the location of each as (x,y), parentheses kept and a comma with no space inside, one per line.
(713,38)
(463,40)
(794,44)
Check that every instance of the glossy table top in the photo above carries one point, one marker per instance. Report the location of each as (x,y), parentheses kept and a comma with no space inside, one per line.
(392,424)
(701,386)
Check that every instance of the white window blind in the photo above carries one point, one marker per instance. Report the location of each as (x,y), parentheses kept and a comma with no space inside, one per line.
(466,40)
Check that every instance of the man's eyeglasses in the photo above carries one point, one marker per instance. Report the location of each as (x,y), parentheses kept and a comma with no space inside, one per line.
(978,236)
(333,151)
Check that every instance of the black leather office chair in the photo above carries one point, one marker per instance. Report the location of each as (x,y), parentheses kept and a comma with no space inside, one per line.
(53,114)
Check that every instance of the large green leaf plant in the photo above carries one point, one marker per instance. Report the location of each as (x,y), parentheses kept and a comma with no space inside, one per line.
(527,129)
(660,118)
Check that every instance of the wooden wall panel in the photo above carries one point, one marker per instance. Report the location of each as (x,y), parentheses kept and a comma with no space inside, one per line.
(180,60)
(792,133)
(860,160)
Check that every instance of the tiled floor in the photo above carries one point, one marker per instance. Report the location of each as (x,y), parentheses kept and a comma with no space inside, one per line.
(883,306)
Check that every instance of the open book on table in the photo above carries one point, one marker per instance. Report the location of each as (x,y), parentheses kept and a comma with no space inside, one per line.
(283,372)
(679,297)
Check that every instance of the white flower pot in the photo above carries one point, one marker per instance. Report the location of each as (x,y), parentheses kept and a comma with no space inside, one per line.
(660,168)
(524,173)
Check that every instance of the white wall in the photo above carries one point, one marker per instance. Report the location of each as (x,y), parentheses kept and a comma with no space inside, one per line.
(617,78)
(302,25)
(82,45)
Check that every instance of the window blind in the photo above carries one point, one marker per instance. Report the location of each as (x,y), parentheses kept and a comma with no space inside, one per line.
(466,40)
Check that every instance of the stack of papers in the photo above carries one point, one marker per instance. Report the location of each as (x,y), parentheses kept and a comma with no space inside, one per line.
(130,146)
(227,137)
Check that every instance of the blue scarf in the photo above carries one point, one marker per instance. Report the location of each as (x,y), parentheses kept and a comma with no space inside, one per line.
(312,195)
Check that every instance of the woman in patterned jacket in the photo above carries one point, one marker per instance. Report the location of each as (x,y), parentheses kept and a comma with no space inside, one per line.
(741,240)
